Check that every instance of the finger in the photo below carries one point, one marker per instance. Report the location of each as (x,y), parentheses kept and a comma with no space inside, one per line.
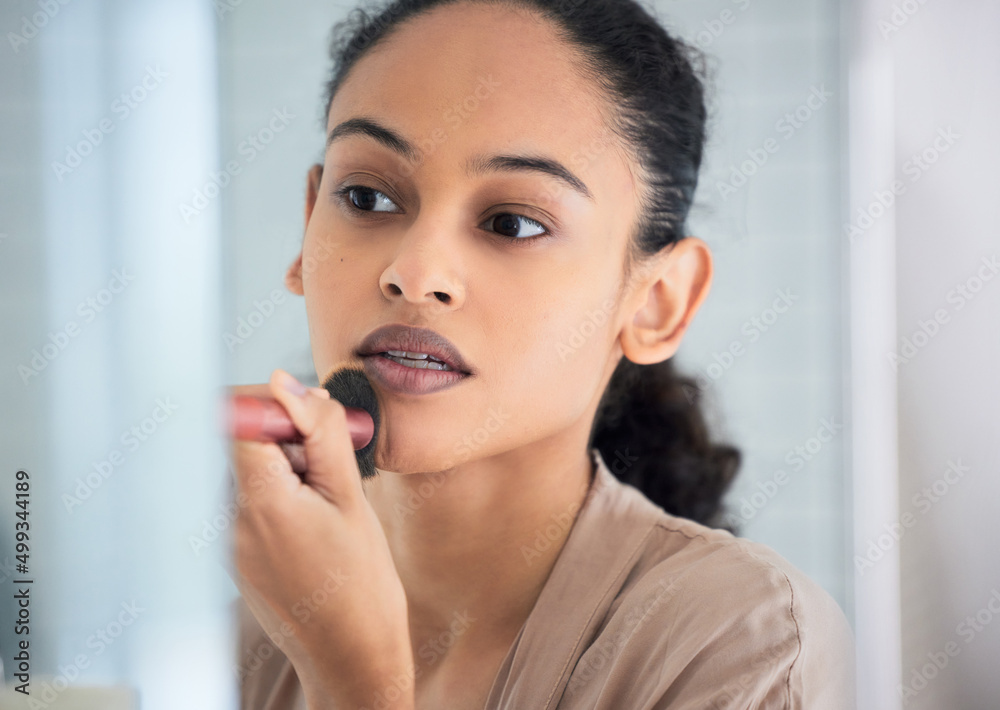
(262,389)
(295,452)
(332,467)
(262,473)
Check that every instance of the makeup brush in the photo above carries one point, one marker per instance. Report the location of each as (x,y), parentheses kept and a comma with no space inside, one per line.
(255,418)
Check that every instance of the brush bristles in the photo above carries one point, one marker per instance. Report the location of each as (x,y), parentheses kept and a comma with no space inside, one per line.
(350,386)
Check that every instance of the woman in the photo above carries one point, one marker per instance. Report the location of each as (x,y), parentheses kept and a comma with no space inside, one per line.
(496,236)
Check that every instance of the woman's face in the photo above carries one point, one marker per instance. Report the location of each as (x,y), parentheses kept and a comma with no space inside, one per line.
(536,318)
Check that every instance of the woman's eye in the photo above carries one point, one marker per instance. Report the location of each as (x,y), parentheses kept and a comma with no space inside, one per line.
(365,199)
(513,227)
(506,225)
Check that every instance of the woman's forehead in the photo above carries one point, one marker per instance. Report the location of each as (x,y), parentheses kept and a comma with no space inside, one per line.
(500,75)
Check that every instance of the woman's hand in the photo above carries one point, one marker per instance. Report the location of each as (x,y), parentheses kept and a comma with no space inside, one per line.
(313,561)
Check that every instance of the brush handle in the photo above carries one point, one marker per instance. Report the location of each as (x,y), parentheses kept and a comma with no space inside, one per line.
(253,418)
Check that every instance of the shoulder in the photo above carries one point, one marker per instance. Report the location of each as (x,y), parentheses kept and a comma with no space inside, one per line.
(732,622)
(736,578)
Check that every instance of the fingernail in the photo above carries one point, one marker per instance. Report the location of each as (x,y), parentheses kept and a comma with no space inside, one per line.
(293,385)
(321,392)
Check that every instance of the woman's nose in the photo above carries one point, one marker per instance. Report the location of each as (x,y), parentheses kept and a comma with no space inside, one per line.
(426,266)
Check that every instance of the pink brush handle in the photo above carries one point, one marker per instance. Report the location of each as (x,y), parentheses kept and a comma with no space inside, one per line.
(254,418)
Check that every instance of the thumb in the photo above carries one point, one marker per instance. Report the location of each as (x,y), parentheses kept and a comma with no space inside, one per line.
(331,465)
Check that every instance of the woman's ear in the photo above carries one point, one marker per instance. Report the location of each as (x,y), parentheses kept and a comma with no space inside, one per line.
(293,277)
(671,289)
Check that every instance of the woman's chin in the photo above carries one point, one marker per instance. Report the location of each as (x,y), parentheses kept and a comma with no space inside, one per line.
(418,458)
(433,443)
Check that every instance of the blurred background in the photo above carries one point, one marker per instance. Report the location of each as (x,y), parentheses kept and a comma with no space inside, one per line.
(152,181)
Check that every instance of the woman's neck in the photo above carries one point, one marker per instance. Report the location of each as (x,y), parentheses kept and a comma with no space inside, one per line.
(474,547)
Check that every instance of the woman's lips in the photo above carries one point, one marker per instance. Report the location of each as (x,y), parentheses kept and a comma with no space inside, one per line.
(403,379)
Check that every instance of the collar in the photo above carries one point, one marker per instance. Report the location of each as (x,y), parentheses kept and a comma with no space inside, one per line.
(603,545)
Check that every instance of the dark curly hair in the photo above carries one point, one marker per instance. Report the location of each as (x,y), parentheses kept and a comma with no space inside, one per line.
(655,106)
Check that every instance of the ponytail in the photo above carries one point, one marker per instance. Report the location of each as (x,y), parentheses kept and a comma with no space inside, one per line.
(650,419)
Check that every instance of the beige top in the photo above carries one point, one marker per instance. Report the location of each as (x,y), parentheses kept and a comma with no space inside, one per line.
(644,610)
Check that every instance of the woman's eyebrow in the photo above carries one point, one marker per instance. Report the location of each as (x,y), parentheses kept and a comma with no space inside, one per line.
(477,165)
